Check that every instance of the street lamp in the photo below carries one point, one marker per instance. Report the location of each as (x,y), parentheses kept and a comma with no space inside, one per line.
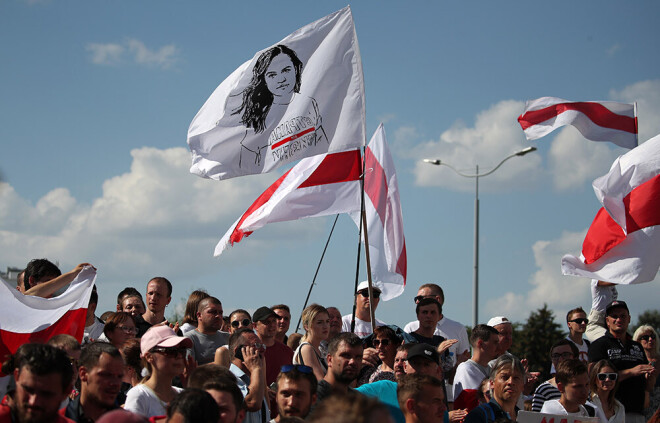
(476,176)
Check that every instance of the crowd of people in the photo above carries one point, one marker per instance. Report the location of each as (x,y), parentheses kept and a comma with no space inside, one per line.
(134,366)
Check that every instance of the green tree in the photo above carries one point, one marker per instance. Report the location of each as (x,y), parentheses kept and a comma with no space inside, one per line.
(533,340)
(649,317)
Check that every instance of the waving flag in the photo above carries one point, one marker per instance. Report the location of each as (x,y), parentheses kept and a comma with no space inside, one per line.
(623,242)
(302,97)
(596,120)
(25,318)
(387,245)
(317,186)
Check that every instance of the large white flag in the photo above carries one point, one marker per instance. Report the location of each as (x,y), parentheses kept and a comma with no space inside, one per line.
(596,120)
(317,186)
(298,98)
(622,244)
(26,318)
(387,245)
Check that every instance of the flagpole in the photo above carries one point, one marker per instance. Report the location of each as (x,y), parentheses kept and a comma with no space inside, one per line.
(317,270)
(636,127)
(372,312)
(357,267)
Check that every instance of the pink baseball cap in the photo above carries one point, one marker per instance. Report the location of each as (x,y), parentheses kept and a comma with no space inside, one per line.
(162,336)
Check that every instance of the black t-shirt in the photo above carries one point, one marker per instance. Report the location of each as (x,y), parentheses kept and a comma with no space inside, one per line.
(624,356)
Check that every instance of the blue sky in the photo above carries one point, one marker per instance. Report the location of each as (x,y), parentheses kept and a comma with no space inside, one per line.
(96,99)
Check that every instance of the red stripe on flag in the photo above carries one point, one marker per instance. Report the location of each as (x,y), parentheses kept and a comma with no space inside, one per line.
(597,113)
(375,184)
(402,263)
(292,137)
(603,234)
(642,205)
(334,168)
(238,234)
(72,323)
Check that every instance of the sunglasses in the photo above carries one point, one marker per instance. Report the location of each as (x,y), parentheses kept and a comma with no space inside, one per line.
(244,323)
(580,321)
(378,342)
(301,368)
(170,351)
(419,298)
(365,293)
(647,337)
(605,376)
(565,355)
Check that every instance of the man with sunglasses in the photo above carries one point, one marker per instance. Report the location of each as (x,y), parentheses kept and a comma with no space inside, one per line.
(248,364)
(363,311)
(296,391)
(576,320)
(636,375)
(207,336)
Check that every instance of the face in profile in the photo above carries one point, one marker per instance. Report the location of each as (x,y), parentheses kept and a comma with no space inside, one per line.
(280,76)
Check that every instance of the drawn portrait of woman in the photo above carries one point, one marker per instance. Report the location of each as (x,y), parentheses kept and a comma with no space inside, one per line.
(274,88)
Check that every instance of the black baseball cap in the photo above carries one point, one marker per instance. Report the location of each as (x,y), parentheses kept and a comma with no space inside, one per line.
(616,304)
(424,350)
(262,314)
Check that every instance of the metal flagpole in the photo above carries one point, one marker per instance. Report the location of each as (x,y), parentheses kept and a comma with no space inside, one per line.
(317,271)
(357,267)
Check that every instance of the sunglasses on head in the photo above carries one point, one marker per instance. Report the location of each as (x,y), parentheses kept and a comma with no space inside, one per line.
(647,337)
(244,322)
(378,342)
(365,293)
(580,321)
(605,376)
(419,298)
(170,351)
(301,368)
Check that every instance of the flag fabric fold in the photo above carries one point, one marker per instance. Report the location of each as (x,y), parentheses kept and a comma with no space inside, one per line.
(596,120)
(302,97)
(623,241)
(387,245)
(317,186)
(25,318)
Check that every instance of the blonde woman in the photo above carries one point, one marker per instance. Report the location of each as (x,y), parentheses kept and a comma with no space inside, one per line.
(316,323)
(648,337)
(604,382)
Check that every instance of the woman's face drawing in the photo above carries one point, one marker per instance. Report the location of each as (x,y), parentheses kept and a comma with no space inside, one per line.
(280,76)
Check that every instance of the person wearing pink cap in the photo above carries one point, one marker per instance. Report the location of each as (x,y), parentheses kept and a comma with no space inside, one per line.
(164,354)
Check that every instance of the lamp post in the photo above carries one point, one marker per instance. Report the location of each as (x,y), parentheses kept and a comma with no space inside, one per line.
(476,176)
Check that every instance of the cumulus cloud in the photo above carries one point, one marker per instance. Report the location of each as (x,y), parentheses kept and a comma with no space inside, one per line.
(495,135)
(135,51)
(155,218)
(647,96)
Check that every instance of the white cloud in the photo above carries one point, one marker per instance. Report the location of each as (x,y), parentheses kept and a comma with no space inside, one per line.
(614,49)
(133,50)
(647,96)
(495,135)
(105,54)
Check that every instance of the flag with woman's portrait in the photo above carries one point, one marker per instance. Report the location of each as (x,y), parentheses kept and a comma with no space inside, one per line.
(301,97)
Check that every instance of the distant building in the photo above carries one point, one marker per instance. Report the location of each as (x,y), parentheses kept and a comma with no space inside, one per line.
(11,276)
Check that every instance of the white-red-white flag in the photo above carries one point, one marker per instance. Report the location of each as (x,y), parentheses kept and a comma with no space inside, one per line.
(596,120)
(298,98)
(387,244)
(317,186)
(26,318)
(622,244)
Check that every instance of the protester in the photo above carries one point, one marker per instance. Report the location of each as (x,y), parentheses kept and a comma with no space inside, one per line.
(283,321)
(130,301)
(573,383)
(386,343)
(636,376)
(240,319)
(93,325)
(428,312)
(248,364)
(163,353)
(71,347)
(100,370)
(42,278)
(577,321)
(334,329)
(506,378)
(648,339)
(602,293)
(43,377)
(469,374)
(130,351)
(193,405)
(604,382)
(421,398)
(400,360)
(560,351)
(207,337)
(159,295)
(350,408)
(277,354)
(221,383)
(190,315)
(362,311)
(119,328)
(344,362)
(316,323)
(296,391)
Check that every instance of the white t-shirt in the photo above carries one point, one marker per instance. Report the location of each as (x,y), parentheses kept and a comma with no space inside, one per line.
(584,350)
(93,331)
(362,328)
(619,413)
(142,400)
(555,407)
(449,329)
(469,375)
(601,296)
